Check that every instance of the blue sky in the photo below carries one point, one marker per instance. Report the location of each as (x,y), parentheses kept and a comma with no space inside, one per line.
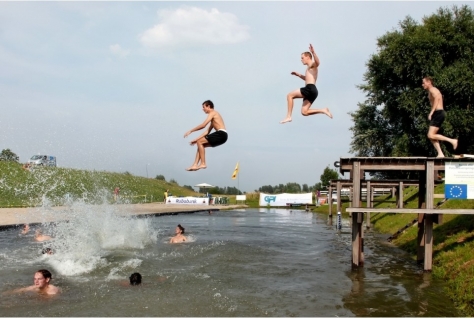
(115,85)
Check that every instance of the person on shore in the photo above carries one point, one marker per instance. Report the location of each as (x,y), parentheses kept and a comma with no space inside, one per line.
(25,230)
(179,237)
(207,139)
(116,193)
(41,279)
(436,116)
(165,195)
(309,93)
(39,236)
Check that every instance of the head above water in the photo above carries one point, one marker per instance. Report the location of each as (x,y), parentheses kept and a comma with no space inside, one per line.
(135,279)
(42,278)
(181,228)
(47,250)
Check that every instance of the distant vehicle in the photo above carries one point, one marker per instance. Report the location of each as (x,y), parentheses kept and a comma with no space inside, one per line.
(43,160)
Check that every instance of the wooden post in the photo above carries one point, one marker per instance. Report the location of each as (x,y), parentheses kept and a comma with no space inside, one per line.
(368,196)
(338,191)
(400,195)
(330,200)
(428,218)
(357,259)
(421,217)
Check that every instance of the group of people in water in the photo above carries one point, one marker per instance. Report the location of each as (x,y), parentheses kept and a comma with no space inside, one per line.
(42,277)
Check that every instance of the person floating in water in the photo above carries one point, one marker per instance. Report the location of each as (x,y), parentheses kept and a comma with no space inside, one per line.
(42,279)
(40,237)
(47,251)
(25,230)
(436,116)
(179,237)
(135,279)
(309,93)
(207,139)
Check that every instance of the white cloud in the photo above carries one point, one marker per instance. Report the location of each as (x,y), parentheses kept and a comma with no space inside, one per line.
(193,26)
(117,50)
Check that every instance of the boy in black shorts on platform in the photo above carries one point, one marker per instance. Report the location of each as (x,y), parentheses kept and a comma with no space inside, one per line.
(436,116)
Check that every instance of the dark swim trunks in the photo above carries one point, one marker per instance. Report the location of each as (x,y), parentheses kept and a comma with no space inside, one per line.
(217,138)
(437,118)
(309,92)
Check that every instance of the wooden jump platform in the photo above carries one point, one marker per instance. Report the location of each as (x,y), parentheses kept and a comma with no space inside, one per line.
(427,215)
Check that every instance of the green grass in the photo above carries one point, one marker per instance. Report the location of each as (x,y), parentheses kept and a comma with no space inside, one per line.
(19,187)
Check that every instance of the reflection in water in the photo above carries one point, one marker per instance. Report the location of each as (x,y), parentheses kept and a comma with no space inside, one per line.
(253,263)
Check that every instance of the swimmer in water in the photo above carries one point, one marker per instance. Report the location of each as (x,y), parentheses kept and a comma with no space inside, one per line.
(47,251)
(42,284)
(135,279)
(179,237)
(40,237)
(25,230)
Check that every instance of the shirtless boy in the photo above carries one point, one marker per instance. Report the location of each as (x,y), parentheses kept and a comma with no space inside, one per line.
(309,93)
(179,237)
(41,284)
(207,138)
(436,116)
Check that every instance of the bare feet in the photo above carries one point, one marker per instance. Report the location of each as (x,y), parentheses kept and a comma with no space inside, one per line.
(288,119)
(326,111)
(455,144)
(192,168)
(201,167)
(440,156)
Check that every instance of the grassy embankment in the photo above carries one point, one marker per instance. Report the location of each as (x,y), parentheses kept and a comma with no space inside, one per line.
(19,187)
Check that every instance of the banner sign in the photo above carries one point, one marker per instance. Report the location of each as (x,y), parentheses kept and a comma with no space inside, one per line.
(284,199)
(459,180)
(188,200)
(241,197)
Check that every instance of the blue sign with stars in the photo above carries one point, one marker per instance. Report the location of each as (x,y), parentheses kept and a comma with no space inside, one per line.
(455,191)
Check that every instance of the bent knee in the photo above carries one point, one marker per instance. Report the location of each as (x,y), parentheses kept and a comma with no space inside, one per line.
(304,112)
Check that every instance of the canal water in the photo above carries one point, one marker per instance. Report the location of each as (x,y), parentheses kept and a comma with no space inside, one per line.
(241,263)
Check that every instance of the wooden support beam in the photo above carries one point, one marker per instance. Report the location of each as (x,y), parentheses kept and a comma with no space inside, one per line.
(428,265)
(338,191)
(400,195)
(357,259)
(369,203)
(421,224)
(330,200)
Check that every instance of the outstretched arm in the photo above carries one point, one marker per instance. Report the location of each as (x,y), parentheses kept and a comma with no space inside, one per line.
(315,57)
(301,76)
(200,126)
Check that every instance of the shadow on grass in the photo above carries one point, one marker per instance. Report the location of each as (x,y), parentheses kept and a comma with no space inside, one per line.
(462,223)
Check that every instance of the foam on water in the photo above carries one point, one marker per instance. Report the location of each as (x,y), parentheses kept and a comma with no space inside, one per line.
(91,234)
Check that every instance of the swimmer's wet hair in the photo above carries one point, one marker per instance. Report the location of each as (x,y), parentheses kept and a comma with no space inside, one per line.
(46,274)
(208,103)
(47,251)
(135,279)
(181,228)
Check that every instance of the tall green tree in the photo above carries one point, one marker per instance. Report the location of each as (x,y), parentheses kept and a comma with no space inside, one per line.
(393,121)
(9,156)
(327,175)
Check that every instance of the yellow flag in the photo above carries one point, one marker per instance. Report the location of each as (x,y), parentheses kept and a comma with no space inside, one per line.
(235,171)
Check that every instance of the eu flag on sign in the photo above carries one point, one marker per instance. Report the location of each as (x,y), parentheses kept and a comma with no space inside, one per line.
(455,191)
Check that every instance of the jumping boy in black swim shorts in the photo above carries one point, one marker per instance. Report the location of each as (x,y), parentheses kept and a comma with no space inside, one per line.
(207,139)
(309,93)
(436,116)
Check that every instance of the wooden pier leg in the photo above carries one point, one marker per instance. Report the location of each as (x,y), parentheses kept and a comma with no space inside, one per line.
(368,198)
(330,200)
(400,195)
(338,191)
(357,242)
(428,265)
(421,222)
